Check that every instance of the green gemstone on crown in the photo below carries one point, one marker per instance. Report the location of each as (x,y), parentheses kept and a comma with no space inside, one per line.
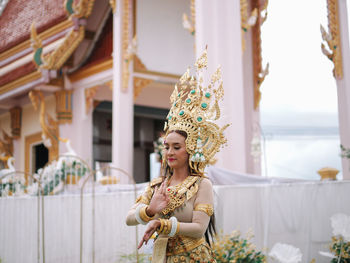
(193,91)
(169,118)
(199,119)
(181,113)
(207,95)
(204,105)
(188,100)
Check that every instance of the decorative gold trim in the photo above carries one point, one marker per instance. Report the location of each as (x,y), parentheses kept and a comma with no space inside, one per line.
(113,4)
(332,38)
(138,64)
(49,127)
(187,24)
(55,60)
(181,244)
(16,122)
(6,144)
(92,70)
(19,82)
(43,35)
(64,106)
(58,57)
(89,97)
(109,84)
(128,47)
(29,140)
(139,85)
(247,21)
(259,73)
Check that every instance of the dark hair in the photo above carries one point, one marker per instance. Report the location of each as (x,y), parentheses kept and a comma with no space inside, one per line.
(211,229)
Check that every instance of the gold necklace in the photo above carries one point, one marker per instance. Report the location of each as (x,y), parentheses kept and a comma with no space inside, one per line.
(179,193)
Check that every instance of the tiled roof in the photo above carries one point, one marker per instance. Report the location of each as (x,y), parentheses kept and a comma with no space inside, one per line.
(18,16)
(17,73)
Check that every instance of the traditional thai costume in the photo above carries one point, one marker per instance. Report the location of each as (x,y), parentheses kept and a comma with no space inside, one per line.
(187,215)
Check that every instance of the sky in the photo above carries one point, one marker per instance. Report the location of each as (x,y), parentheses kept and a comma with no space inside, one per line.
(300,80)
(298,108)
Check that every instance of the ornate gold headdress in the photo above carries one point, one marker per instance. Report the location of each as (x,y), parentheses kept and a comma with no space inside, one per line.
(194,109)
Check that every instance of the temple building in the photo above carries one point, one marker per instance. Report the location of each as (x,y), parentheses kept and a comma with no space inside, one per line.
(100,73)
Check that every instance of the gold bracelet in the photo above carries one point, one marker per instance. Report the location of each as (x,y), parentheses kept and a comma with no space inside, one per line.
(161,225)
(169,227)
(165,229)
(177,228)
(144,215)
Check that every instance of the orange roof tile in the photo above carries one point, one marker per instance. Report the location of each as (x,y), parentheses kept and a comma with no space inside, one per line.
(18,16)
(17,73)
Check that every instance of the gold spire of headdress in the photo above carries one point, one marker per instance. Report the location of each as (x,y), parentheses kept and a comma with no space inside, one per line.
(194,109)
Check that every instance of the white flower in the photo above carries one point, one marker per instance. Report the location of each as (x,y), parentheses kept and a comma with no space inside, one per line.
(32,189)
(18,189)
(6,190)
(285,253)
(341,226)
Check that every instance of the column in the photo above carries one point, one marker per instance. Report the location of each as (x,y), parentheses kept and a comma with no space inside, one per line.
(79,132)
(343,86)
(218,25)
(123,104)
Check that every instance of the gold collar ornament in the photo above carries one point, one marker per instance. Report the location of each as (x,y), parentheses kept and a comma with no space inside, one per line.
(194,109)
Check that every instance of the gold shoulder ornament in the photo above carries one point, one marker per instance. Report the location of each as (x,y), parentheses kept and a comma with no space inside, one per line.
(194,109)
(206,208)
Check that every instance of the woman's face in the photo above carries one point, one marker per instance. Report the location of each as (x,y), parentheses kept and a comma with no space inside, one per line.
(175,150)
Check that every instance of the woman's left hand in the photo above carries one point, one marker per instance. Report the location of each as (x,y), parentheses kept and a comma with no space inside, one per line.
(151,228)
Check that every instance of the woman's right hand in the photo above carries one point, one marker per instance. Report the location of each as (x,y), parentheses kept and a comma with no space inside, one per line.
(151,228)
(159,201)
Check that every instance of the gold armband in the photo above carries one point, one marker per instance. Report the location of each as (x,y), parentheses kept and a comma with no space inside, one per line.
(165,226)
(206,208)
(144,216)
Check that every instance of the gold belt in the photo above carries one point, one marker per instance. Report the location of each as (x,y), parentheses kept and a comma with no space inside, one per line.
(180,244)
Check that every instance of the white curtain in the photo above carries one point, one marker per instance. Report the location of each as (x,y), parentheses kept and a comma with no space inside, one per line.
(295,213)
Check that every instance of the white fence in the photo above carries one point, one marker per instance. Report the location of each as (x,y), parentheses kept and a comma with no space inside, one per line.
(294,213)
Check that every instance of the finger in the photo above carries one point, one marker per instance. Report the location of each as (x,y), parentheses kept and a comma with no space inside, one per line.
(164,186)
(140,244)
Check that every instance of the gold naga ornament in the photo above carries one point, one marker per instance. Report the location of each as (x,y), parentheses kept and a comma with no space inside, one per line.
(194,109)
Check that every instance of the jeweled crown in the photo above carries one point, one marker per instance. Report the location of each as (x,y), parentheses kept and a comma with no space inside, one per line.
(194,109)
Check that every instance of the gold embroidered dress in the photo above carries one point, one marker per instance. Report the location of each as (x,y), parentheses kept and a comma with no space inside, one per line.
(191,202)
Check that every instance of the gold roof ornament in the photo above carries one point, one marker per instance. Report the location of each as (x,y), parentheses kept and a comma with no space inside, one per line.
(49,127)
(6,145)
(331,46)
(53,61)
(194,109)
(186,23)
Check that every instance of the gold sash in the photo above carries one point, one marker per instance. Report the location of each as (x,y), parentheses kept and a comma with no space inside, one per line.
(165,246)
(159,249)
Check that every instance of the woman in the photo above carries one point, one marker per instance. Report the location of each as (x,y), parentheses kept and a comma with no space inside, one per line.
(179,205)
